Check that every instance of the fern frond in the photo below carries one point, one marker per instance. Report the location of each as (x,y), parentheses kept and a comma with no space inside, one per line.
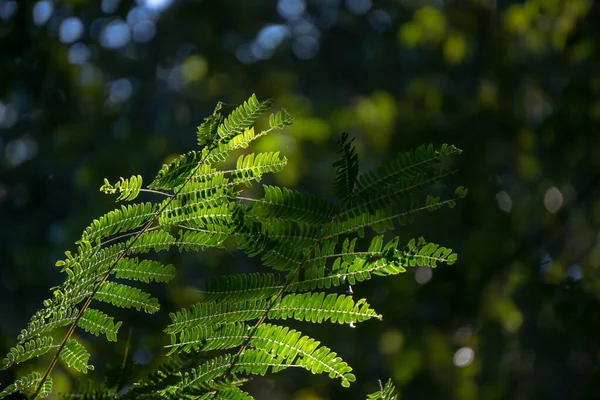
(371,201)
(76,356)
(254,165)
(407,165)
(127,297)
(352,267)
(383,219)
(242,118)
(311,242)
(196,240)
(292,205)
(96,322)
(222,150)
(208,129)
(120,220)
(311,307)
(92,321)
(209,375)
(297,235)
(231,394)
(85,391)
(175,173)
(346,168)
(199,216)
(280,120)
(44,322)
(154,240)
(287,344)
(46,388)
(283,257)
(28,381)
(242,287)
(144,271)
(318,307)
(128,189)
(31,349)
(388,392)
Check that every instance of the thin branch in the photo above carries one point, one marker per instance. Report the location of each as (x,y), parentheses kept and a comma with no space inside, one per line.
(126,235)
(157,192)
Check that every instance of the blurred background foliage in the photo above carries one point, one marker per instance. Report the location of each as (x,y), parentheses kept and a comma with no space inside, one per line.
(94,89)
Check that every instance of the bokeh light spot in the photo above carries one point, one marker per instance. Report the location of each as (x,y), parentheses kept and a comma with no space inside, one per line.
(359,6)
(115,35)
(158,5)
(120,91)
(423,275)
(305,47)
(109,6)
(380,20)
(194,69)
(20,150)
(42,11)
(71,29)
(391,342)
(79,54)
(455,48)
(8,10)
(463,357)
(291,9)
(8,115)
(144,31)
(271,36)
(553,200)
(574,272)
(504,201)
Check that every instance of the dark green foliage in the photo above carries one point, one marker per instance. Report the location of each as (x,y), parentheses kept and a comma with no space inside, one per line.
(311,244)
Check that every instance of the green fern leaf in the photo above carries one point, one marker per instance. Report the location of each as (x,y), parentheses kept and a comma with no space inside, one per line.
(242,287)
(144,271)
(254,165)
(41,322)
(96,322)
(282,257)
(120,220)
(154,240)
(311,307)
(346,168)
(175,173)
(209,376)
(76,356)
(292,205)
(46,388)
(408,165)
(222,150)
(207,131)
(282,342)
(127,297)
(319,307)
(280,120)
(128,189)
(352,267)
(28,381)
(199,240)
(386,393)
(31,349)
(242,118)
(373,200)
(199,216)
